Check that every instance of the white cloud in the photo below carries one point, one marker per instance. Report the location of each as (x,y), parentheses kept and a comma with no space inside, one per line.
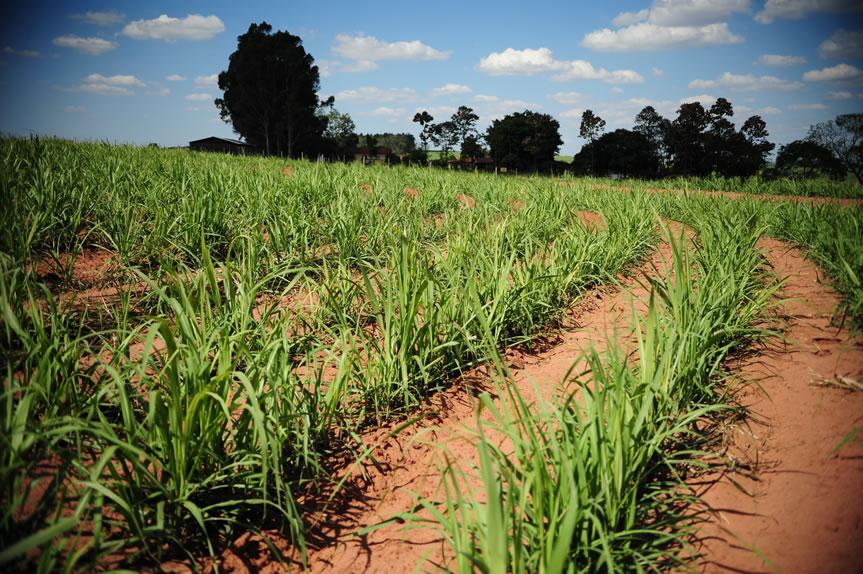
(368,50)
(175,78)
(647,37)
(107,18)
(669,24)
(327,67)
(160,92)
(657,72)
(839,95)
(704,99)
(746,82)
(779,60)
(211,81)
(118,80)
(375,94)
(451,89)
(769,111)
(192,27)
(485,98)
(92,46)
(74,109)
(842,44)
(583,70)
(567,98)
(23,53)
(683,12)
(102,89)
(630,18)
(797,9)
(386,112)
(616,90)
(199,97)
(512,62)
(800,107)
(117,85)
(573,114)
(837,72)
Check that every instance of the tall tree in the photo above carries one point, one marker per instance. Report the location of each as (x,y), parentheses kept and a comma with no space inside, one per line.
(720,140)
(445,136)
(525,140)
(424,119)
(271,92)
(686,141)
(591,127)
(844,138)
(464,120)
(655,128)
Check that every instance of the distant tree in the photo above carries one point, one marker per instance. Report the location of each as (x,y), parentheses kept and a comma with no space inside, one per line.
(844,138)
(400,144)
(721,141)
(753,155)
(526,140)
(445,136)
(340,135)
(624,152)
(424,119)
(655,128)
(590,129)
(464,120)
(271,92)
(686,141)
(806,158)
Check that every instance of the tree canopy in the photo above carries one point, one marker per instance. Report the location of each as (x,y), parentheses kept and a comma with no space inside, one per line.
(271,93)
(844,138)
(525,141)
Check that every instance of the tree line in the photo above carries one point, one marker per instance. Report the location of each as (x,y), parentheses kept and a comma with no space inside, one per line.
(270,97)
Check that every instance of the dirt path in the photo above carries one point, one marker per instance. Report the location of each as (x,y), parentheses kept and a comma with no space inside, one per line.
(843,201)
(804,510)
(408,465)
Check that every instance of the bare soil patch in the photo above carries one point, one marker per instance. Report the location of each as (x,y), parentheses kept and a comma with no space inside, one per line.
(793,503)
(465,201)
(591,220)
(90,267)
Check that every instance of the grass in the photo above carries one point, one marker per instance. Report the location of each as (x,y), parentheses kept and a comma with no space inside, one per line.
(257,323)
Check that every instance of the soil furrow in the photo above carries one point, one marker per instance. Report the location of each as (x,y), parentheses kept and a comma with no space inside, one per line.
(793,504)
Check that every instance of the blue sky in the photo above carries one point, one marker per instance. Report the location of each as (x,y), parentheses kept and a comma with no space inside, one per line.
(144,72)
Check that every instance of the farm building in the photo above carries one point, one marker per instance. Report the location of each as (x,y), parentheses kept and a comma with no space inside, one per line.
(224,145)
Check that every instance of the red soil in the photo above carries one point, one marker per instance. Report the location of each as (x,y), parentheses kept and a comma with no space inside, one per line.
(590,219)
(794,504)
(91,266)
(411,193)
(465,201)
